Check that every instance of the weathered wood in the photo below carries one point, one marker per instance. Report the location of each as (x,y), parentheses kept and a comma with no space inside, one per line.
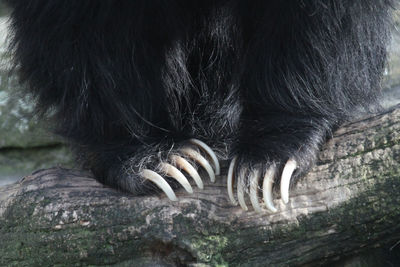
(349,202)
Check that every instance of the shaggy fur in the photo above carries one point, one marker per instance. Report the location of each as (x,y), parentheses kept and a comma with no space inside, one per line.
(127,82)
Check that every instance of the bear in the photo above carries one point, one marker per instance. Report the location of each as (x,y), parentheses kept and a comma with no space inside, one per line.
(149,92)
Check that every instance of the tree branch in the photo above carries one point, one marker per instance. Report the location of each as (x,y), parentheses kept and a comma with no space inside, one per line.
(348,203)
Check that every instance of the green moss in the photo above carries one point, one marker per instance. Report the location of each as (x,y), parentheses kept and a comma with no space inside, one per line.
(210,249)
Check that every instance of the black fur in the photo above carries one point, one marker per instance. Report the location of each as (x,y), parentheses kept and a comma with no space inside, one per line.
(129,81)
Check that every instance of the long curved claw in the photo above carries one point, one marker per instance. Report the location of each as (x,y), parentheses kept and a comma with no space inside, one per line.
(253,190)
(240,189)
(173,172)
(210,152)
(185,165)
(160,182)
(193,154)
(267,188)
(287,172)
(230,181)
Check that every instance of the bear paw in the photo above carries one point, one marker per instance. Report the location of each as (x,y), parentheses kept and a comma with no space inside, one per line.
(178,161)
(248,180)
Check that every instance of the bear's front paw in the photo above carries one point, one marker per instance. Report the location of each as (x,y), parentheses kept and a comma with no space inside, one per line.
(184,159)
(248,181)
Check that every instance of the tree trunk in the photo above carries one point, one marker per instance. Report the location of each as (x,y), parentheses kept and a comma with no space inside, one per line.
(348,203)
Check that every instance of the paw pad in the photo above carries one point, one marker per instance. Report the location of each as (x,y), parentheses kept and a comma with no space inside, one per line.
(177,163)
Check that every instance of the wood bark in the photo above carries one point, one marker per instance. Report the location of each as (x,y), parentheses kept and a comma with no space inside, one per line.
(348,203)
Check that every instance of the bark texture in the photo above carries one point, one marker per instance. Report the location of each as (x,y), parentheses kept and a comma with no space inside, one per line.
(348,203)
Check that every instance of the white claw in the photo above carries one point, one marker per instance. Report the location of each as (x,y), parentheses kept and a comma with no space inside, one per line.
(160,182)
(193,154)
(173,172)
(267,188)
(185,165)
(210,152)
(253,190)
(230,181)
(287,172)
(240,189)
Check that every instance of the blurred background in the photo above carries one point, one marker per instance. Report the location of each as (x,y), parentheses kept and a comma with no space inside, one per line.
(25,145)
